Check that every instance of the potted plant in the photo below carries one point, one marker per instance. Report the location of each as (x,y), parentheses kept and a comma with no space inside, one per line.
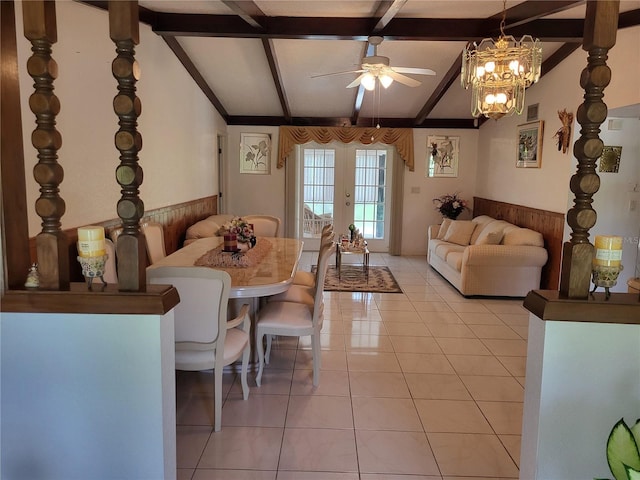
(623,454)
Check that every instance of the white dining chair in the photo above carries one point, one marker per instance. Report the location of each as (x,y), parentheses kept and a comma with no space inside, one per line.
(204,339)
(154,238)
(309,278)
(305,293)
(294,319)
(264,225)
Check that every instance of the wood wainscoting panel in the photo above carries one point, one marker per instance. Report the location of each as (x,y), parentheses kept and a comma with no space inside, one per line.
(549,224)
(175,219)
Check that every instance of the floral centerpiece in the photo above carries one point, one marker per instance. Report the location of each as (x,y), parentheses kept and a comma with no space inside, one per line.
(450,205)
(242,229)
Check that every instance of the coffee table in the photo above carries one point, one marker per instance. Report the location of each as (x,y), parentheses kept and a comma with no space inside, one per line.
(350,249)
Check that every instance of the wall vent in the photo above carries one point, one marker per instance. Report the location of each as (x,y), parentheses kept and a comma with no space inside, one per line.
(615,124)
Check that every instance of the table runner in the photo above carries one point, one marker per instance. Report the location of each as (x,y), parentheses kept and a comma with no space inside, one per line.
(216,257)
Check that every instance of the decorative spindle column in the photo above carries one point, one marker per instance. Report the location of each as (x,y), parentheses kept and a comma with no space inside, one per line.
(51,244)
(601,24)
(130,248)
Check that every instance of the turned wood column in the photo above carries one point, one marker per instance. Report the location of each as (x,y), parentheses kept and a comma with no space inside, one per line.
(601,25)
(130,248)
(51,244)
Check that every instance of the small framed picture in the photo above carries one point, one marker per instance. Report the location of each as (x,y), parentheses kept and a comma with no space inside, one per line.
(442,156)
(610,159)
(529,154)
(255,153)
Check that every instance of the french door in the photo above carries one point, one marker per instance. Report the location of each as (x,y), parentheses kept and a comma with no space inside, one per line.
(345,184)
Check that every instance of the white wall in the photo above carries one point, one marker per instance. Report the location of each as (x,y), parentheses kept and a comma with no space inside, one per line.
(419,211)
(178,124)
(613,201)
(252,194)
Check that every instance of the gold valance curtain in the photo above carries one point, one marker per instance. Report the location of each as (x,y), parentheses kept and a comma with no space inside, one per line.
(401,138)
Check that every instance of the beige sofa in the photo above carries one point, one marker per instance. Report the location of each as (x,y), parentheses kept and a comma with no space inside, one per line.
(485,256)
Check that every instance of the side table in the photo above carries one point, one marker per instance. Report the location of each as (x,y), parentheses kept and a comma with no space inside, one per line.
(350,249)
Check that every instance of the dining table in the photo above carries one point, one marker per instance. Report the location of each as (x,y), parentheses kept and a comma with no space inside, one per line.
(269,275)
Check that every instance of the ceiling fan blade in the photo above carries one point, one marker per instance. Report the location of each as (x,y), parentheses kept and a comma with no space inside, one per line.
(415,71)
(410,82)
(336,73)
(357,81)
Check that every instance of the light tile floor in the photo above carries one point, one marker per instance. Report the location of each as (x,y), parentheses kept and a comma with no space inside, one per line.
(423,385)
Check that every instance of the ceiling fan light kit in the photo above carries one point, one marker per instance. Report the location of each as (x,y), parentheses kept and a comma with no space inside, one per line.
(375,68)
(499,72)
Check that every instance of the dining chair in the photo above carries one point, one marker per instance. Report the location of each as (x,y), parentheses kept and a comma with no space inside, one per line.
(154,238)
(264,225)
(294,319)
(305,293)
(204,339)
(309,278)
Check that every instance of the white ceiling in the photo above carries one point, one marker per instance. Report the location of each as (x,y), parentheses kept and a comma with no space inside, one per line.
(231,58)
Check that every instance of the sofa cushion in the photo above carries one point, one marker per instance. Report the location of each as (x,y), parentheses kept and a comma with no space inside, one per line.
(522,236)
(444,249)
(202,229)
(490,238)
(444,226)
(454,259)
(490,233)
(460,232)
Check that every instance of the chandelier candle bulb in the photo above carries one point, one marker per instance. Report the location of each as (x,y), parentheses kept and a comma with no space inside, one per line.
(608,250)
(91,241)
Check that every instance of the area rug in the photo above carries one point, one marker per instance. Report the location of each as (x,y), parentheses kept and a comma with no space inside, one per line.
(354,279)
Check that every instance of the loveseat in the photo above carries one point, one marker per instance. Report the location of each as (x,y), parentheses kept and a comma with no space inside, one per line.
(485,256)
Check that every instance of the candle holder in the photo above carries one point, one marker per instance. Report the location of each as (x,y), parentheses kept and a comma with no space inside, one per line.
(93,267)
(605,276)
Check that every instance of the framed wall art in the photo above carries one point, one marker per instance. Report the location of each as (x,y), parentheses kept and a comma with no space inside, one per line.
(442,156)
(255,153)
(529,152)
(610,159)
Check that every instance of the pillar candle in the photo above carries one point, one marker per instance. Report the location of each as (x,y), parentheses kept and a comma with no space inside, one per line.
(608,250)
(91,241)
(230,242)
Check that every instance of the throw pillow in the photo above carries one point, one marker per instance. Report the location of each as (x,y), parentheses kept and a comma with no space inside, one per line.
(459,232)
(491,238)
(202,229)
(444,226)
(523,236)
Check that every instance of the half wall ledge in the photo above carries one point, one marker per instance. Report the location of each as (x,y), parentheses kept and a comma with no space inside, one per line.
(157,300)
(619,308)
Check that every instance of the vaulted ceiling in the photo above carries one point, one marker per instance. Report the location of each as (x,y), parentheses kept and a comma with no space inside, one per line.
(257,61)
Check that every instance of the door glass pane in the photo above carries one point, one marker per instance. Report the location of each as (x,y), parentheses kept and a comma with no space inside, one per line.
(318,190)
(370,193)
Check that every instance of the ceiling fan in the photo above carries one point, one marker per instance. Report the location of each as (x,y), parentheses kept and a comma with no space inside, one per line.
(376,67)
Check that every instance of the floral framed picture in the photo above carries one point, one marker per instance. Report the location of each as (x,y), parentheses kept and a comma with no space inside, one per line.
(255,153)
(529,154)
(442,156)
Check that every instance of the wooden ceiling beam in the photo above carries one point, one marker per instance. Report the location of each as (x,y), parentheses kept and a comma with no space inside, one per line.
(435,29)
(248,11)
(277,78)
(179,52)
(440,90)
(526,12)
(386,12)
(366,52)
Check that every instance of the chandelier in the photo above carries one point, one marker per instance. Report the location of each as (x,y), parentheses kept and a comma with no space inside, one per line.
(499,71)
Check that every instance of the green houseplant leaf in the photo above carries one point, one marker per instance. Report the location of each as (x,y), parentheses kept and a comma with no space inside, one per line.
(622,450)
(636,433)
(633,474)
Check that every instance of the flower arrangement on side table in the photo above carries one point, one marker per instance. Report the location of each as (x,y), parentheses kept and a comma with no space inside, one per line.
(242,229)
(450,205)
